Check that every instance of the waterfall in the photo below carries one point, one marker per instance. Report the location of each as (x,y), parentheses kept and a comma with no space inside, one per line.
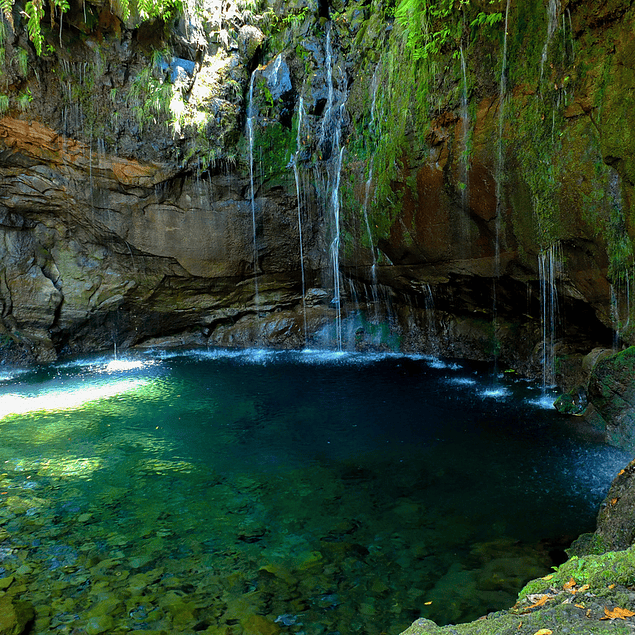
(465,131)
(549,265)
(431,327)
(330,143)
(296,172)
(500,171)
(250,138)
(368,185)
(500,161)
(615,317)
(553,11)
(621,307)
(335,245)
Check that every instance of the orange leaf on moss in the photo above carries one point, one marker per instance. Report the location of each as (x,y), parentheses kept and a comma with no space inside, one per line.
(617,613)
(541,601)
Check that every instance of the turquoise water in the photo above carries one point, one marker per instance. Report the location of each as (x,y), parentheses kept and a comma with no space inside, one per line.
(264,492)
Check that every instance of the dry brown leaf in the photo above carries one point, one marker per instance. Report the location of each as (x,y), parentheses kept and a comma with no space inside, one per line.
(621,472)
(543,631)
(614,501)
(584,587)
(580,606)
(611,586)
(569,585)
(617,613)
(543,600)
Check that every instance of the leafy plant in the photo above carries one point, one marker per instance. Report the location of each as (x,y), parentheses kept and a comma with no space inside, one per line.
(23,61)
(33,10)
(24,99)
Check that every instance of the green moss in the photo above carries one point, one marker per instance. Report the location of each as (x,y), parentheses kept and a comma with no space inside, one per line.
(598,571)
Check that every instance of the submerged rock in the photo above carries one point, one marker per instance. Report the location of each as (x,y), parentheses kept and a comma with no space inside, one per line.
(16,616)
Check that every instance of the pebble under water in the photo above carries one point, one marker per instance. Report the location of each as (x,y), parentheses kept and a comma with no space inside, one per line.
(265,492)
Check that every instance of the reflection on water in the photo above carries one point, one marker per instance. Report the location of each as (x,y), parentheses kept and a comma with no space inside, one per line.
(272,492)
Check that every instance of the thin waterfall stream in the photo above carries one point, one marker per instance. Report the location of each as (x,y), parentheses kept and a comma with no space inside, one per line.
(330,142)
(251,114)
(298,191)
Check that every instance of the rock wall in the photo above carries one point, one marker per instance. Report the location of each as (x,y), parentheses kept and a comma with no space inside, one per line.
(301,171)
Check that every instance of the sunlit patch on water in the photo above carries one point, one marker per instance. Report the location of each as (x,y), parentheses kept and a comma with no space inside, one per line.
(61,398)
(118,365)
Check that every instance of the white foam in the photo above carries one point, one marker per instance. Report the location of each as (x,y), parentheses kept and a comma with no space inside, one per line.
(498,392)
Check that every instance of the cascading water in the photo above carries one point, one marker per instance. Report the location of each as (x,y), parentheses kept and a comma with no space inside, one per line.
(298,190)
(549,266)
(500,172)
(367,190)
(621,308)
(553,13)
(431,326)
(465,149)
(500,160)
(335,245)
(251,114)
(330,144)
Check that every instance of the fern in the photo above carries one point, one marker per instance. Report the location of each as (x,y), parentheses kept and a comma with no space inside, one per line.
(6,7)
(35,13)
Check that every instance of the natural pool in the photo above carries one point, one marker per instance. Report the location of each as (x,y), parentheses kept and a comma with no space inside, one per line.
(265,492)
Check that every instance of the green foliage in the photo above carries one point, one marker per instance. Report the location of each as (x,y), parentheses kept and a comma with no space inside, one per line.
(486,19)
(35,12)
(22,58)
(24,99)
(4,104)
(275,23)
(421,19)
(164,10)
(151,100)
(6,7)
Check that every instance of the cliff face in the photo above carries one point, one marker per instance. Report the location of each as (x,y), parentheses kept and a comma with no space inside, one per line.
(263,174)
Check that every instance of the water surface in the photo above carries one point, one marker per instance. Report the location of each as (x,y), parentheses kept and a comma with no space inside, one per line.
(266,492)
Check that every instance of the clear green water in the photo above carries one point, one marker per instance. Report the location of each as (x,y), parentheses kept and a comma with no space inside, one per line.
(263,493)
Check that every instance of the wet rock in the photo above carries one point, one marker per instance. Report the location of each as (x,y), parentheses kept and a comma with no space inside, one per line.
(278,77)
(612,393)
(249,39)
(573,402)
(615,527)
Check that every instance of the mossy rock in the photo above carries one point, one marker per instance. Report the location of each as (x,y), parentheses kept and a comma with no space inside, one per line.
(578,598)
(612,392)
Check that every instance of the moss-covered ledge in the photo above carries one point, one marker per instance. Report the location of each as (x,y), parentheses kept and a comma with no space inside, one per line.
(586,595)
